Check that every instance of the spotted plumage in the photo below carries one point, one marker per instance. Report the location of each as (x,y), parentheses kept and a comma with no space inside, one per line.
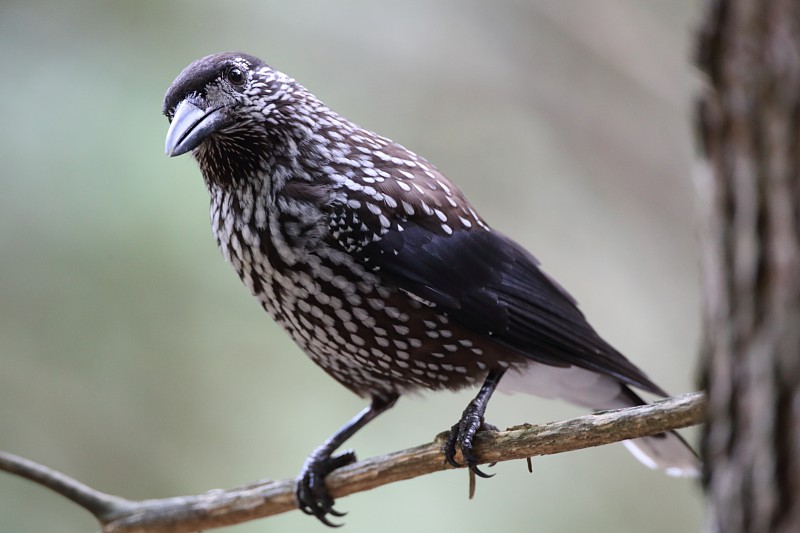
(376,264)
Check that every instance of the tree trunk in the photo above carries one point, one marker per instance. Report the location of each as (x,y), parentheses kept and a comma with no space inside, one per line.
(749,197)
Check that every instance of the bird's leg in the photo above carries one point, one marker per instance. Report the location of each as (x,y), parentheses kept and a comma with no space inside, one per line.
(310,490)
(464,431)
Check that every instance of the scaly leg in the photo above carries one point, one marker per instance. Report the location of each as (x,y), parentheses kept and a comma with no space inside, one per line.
(310,490)
(464,431)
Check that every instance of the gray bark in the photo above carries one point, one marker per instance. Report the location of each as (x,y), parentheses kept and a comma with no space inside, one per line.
(749,197)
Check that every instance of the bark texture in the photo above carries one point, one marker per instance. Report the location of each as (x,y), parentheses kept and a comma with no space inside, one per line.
(749,197)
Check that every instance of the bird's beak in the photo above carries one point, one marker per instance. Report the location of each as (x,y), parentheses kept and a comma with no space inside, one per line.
(190,126)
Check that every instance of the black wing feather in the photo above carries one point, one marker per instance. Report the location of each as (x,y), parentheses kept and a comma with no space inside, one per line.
(493,286)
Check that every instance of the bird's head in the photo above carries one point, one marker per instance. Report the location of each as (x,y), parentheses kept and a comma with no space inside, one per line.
(236,114)
(210,95)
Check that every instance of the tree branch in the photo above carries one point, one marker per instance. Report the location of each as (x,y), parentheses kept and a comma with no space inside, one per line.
(264,498)
(96,502)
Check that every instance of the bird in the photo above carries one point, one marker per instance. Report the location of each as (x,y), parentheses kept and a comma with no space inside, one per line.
(381,270)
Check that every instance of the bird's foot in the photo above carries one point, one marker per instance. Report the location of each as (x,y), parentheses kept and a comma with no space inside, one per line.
(463,434)
(310,490)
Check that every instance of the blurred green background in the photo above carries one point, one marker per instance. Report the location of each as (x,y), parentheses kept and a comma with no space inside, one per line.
(132,359)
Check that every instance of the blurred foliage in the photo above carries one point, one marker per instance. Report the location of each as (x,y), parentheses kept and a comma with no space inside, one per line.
(132,359)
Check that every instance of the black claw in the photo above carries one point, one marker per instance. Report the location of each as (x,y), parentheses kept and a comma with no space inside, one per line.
(480,473)
(339,460)
(310,489)
(472,463)
(486,426)
(462,435)
(337,514)
(449,447)
(321,517)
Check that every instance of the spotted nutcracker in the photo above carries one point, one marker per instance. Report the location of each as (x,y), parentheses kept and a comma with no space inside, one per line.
(380,269)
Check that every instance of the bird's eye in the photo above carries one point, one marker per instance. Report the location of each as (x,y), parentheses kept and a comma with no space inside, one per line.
(235,76)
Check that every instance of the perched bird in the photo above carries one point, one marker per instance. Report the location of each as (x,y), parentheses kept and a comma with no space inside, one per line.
(380,269)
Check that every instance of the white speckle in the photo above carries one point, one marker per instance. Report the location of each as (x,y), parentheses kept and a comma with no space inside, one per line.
(438,355)
(402,330)
(376,303)
(408,175)
(352,185)
(465,222)
(415,343)
(342,283)
(477,351)
(447,229)
(402,354)
(450,347)
(324,273)
(446,333)
(466,343)
(403,185)
(441,215)
(357,340)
